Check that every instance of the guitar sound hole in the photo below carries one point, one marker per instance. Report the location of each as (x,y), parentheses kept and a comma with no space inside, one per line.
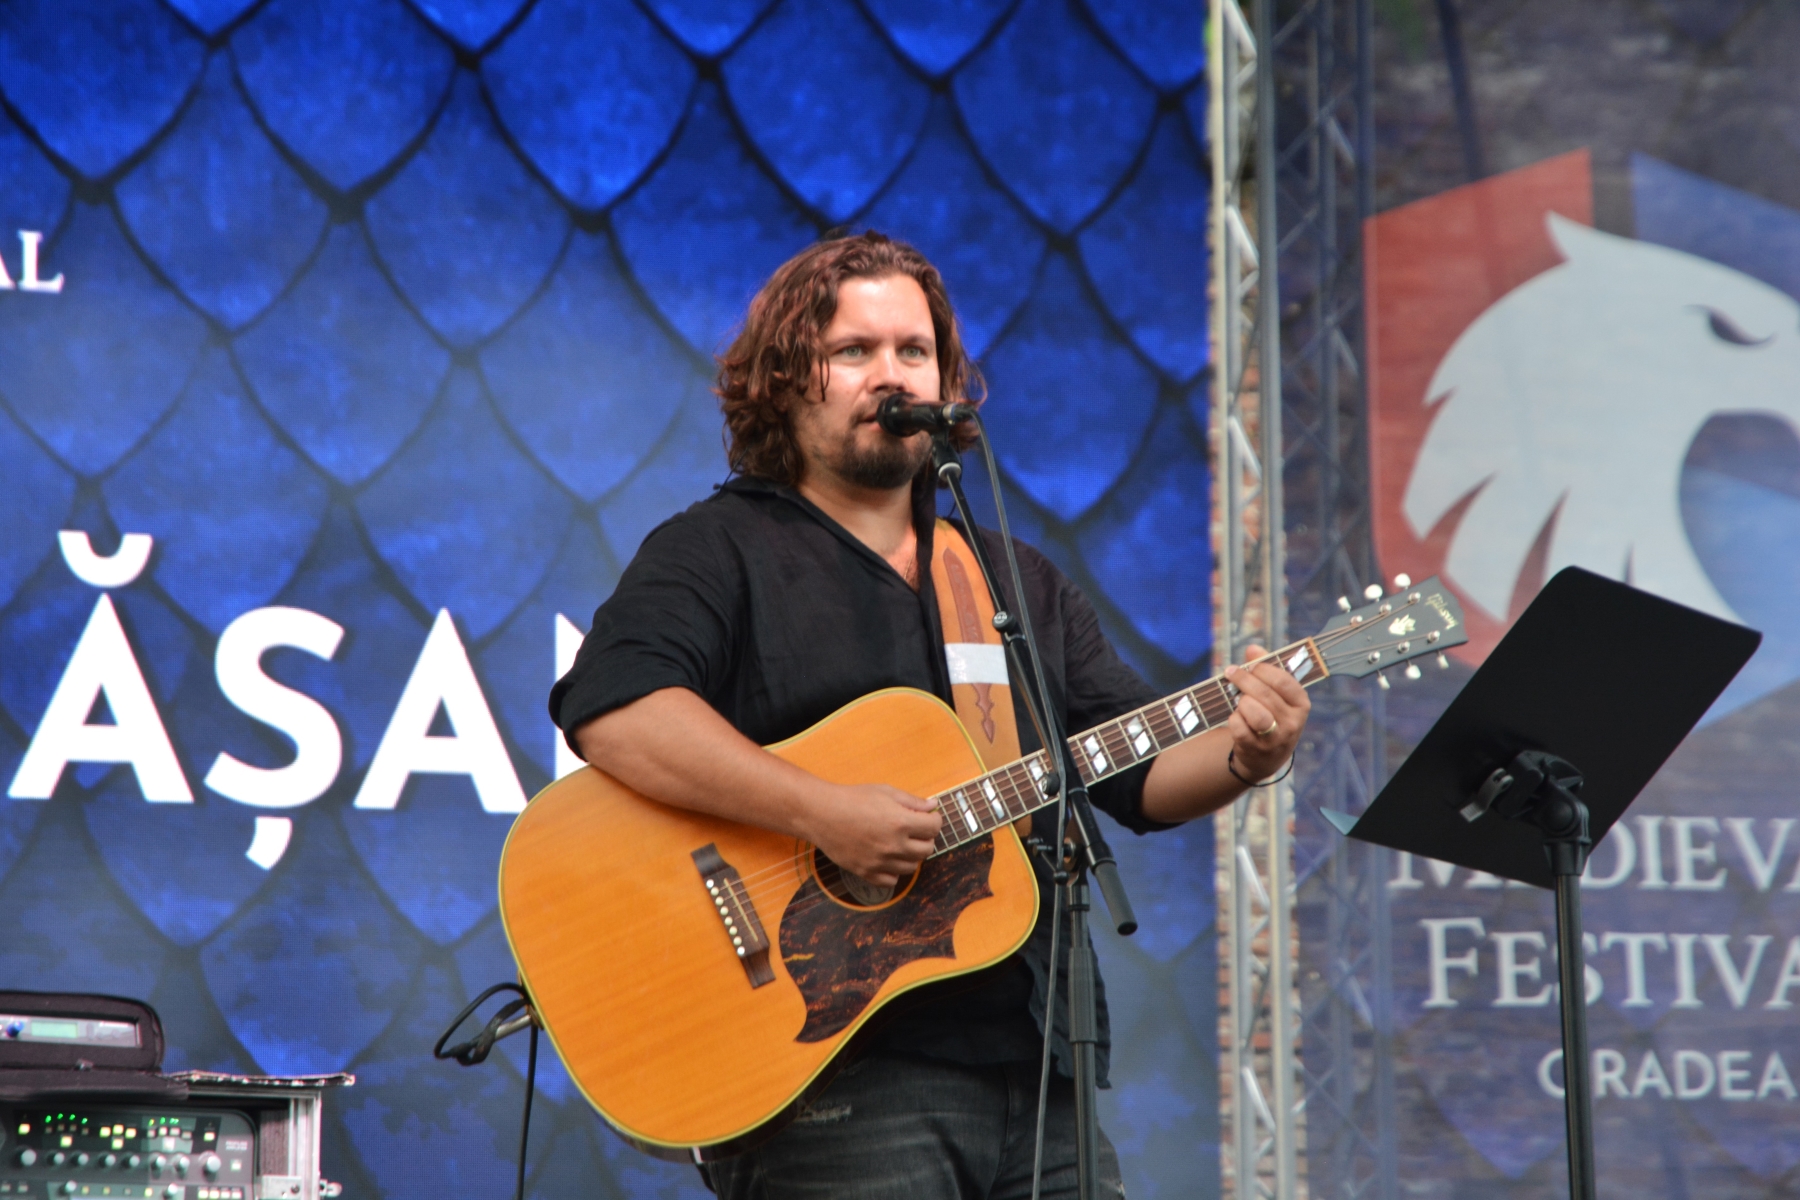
(853,890)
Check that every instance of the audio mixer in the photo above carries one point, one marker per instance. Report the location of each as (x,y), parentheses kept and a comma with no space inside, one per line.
(65,1151)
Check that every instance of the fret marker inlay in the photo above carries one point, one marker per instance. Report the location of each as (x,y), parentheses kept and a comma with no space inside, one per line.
(993,795)
(968,813)
(1185,714)
(1095,755)
(1140,738)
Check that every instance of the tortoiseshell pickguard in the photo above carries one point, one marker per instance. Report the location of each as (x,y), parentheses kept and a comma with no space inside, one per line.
(839,957)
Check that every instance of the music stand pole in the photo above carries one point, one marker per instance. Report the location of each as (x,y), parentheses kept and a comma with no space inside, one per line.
(1539,789)
(1578,1098)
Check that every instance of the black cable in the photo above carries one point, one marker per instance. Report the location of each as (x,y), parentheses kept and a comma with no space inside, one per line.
(525,1124)
(477,1049)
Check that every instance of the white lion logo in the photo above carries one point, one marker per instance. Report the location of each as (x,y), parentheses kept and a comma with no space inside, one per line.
(1578,394)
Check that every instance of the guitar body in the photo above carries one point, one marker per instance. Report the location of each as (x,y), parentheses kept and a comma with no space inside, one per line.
(635,976)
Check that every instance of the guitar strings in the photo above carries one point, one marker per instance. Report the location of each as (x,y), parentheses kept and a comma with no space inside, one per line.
(949,817)
(830,875)
(787,874)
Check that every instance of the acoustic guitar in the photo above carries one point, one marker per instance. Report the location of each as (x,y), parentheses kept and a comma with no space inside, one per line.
(699,977)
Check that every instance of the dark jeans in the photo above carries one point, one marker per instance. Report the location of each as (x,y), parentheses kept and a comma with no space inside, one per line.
(892,1128)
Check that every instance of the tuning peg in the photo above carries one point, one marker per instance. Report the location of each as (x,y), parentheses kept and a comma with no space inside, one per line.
(1382,679)
(1402,582)
(1343,604)
(1443,663)
(1412,670)
(1372,592)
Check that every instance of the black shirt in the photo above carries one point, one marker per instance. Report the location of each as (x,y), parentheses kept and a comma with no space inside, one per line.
(777,615)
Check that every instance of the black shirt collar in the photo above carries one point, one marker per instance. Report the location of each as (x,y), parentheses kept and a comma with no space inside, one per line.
(924,504)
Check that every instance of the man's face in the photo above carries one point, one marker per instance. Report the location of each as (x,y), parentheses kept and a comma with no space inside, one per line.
(881,341)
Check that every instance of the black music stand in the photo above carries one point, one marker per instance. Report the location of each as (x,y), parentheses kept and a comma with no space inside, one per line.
(1543,750)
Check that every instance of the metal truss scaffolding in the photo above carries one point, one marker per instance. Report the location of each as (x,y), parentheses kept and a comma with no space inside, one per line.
(1303,913)
(1258,1020)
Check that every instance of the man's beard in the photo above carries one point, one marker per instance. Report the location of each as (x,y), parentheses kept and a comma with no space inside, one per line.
(891,463)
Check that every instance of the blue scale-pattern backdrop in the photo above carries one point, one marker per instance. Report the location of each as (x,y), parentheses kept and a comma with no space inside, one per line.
(378,309)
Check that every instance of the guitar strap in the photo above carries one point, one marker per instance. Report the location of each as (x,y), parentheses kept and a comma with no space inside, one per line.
(973,650)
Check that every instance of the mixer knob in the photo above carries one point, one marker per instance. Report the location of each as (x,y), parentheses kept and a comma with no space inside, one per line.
(82,1159)
(68,1187)
(211,1164)
(58,1159)
(134,1161)
(173,1191)
(26,1157)
(157,1163)
(109,1161)
(181,1164)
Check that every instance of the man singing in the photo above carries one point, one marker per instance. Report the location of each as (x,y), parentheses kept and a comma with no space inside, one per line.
(805,582)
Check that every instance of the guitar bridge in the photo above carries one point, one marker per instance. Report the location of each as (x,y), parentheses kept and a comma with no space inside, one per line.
(736,913)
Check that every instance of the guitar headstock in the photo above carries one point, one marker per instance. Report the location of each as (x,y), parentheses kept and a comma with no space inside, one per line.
(1414,621)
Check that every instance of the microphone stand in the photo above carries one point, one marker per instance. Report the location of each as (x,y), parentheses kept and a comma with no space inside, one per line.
(1082,852)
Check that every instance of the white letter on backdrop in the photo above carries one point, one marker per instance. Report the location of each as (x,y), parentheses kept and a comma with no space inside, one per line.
(1685,994)
(113,570)
(1635,994)
(1511,969)
(30,243)
(1775,1078)
(1730,1073)
(1650,846)
(442,676)
(1546,1080)
(1762,866)
(1693,1089)
(1651,1075)
(103,662)
(1689,857)
(1737,983)
(318,746)
(1789,977)
(1624,859)
(1437,933)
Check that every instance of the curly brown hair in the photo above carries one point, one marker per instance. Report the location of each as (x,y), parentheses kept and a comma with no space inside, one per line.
(777,357)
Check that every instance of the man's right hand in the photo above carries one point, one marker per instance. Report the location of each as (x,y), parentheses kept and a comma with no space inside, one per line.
(672,745)
(877,833)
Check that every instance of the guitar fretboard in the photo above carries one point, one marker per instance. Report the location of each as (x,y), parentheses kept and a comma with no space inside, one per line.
(989,801)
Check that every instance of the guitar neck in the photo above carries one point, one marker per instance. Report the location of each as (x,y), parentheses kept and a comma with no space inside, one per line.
(1016,790)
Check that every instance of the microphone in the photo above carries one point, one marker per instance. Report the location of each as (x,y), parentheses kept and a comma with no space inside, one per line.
(904,414)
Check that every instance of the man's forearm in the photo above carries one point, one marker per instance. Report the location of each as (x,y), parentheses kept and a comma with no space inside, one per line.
(1191,780)
(673,746)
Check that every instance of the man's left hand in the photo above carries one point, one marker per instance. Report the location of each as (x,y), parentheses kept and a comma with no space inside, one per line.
(1271,712)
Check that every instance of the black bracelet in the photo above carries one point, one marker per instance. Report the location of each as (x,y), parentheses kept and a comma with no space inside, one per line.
(1231,765)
